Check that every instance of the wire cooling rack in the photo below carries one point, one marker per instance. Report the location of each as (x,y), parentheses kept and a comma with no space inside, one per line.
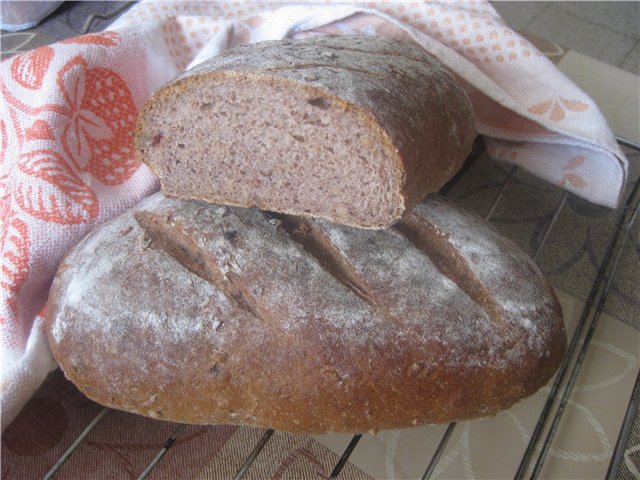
(534,456)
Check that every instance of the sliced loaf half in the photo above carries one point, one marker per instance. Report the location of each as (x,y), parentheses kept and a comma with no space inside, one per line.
(353,129)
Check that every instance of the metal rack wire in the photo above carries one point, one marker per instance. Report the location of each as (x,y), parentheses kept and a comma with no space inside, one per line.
(536,452)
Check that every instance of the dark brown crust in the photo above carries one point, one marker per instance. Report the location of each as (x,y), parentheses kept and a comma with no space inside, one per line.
(416,108)
(247,326)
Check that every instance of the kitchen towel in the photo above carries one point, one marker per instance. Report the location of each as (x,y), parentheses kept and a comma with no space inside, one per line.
(68,109)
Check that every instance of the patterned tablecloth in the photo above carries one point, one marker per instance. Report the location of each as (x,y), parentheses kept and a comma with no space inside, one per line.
(123,444)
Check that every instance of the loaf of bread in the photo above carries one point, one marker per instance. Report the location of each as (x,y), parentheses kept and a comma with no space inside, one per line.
(356,130)
(198,313)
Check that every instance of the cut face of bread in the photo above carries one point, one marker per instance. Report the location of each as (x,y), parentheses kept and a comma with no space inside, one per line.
(353,129)
(254,141)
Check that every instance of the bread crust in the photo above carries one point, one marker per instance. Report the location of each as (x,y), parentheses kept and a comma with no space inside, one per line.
(205,314)
(420,116)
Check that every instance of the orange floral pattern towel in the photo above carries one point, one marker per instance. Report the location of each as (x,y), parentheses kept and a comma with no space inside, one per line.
(68,109)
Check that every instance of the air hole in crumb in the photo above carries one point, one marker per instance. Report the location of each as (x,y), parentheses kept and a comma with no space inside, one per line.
(320,102)
(181,146)
(206,106)
(297,138)
(157,138)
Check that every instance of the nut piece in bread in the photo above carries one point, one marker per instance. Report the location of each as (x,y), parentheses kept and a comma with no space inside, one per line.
(197,313)
(356,130)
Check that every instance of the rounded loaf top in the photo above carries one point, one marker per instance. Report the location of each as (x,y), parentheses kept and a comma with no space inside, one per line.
(200,313)
(356,130)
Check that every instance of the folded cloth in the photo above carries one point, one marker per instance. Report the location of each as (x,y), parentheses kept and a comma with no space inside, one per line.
(68,110)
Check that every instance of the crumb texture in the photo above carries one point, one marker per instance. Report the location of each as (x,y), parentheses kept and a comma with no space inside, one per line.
(353,129)
(201,313)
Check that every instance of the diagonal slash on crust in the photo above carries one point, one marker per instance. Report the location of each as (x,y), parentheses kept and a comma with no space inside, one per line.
(435,245)
(320,247)
(166,236)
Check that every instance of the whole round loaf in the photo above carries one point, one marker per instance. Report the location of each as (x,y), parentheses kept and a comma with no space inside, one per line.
(353,129)
(199,313)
